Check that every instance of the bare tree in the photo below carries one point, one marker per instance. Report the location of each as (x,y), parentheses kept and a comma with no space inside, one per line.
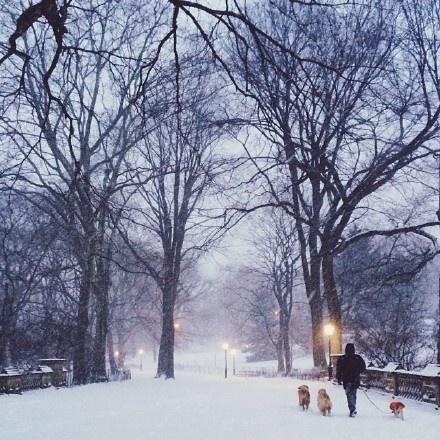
(180,156)
(77,175)
(332,128)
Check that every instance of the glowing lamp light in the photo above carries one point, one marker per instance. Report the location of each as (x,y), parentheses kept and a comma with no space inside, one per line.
(225,345)
(329,329)
(116,353)
(141,351)
(176,326)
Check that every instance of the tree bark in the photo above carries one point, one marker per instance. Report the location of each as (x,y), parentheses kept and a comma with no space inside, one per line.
(111,353)
(438,318)
(101,288)
(284,331)
(280,355)
(319,359)
(165,361)
(165,364)
(80,358)
(102,313)
(6,328)
(333,302)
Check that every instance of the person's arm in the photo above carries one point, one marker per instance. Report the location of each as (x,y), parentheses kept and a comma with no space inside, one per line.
(339,367)
(362,365)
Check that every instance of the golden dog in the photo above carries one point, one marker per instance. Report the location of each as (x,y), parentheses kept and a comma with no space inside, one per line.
(397,408)
(304,397)
(324,402)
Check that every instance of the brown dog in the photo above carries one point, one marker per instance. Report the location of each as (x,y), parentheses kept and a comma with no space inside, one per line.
(304,397)
(324,402)
(396,408)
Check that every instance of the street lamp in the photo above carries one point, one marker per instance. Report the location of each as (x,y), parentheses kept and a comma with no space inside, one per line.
(225,347)
(329,329)
(233,352)
(141,352)
(176,326)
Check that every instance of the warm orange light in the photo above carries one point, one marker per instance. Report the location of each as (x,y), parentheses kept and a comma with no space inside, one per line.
(225,345)
(176,326)
(329,329)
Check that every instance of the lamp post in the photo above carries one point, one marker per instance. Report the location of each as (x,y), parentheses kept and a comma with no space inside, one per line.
(225,347)
(141,352)
(329,329)
(233,352)
(116,356)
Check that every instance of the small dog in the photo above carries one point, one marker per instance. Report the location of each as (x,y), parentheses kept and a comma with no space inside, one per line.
(304,397)
(396,408)
(324,402)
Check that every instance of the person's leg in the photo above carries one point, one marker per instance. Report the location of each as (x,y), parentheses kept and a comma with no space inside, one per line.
(354,397)
(350,391)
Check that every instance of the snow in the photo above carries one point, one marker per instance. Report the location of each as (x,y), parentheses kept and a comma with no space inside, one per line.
(204,407)
(431,370)
(213,362)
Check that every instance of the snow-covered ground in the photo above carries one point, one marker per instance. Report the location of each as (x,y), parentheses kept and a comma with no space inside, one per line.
(203,407)
(213,362)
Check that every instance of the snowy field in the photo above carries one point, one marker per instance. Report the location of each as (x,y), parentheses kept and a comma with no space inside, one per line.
(203,407)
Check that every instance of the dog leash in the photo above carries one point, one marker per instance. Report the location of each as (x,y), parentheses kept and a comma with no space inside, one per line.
(368,397)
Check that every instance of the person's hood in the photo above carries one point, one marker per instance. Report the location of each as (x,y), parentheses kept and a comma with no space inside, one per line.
(349,349)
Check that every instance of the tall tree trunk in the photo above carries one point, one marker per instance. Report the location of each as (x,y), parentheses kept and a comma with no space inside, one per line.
(101,287)
(333,301)
(80,358)
(310,263)
(319,359)
(313,290)
(165,363)
(280,355)
(6,327)
(438,317)
(111,352)
(102,312)
(284,331)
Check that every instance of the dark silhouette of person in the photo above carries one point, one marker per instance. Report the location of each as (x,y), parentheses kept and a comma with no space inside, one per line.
(349,369)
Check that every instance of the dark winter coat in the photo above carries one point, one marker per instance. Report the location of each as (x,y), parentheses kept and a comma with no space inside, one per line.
(349,367)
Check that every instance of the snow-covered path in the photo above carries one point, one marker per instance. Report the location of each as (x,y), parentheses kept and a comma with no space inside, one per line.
(197,407)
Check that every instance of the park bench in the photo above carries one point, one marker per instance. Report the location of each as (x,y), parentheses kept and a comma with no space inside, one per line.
(10,380)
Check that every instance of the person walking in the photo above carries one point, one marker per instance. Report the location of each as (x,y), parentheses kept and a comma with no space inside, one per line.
(349,369)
